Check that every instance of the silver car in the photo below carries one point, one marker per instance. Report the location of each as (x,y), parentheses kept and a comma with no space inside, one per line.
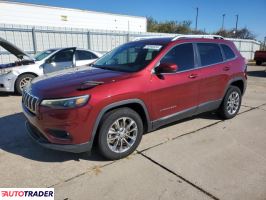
(15,76)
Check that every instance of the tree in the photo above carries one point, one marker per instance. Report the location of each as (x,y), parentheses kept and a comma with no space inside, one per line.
(170,26)
(243,33)
(184,27)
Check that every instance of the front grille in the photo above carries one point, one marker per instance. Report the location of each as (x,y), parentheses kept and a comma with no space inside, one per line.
(30,101)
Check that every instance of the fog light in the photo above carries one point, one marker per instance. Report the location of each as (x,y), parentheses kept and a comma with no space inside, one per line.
(60,134)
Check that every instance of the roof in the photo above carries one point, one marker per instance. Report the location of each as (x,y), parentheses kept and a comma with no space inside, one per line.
(165,40)
(155,40)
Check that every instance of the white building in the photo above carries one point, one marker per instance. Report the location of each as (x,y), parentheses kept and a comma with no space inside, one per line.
(41,15)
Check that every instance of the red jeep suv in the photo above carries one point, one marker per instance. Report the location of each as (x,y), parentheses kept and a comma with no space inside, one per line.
(136,88)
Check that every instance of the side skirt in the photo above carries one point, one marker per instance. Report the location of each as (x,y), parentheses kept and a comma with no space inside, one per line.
(205,107)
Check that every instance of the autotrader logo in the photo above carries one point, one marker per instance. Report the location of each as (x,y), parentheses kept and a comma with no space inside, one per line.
(26,193)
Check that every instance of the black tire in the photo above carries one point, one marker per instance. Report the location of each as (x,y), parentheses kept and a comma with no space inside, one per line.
(223,110)
(106,123)
(258,62)
(19,80)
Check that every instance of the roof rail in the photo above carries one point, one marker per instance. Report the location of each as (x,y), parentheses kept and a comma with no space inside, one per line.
(197,36)
(151,37)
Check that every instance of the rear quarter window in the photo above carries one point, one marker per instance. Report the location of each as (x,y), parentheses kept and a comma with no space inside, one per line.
(228,52)
(209,53)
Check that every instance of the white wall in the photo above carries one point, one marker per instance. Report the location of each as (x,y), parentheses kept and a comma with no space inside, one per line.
(102,41)
(39,15)
(246,47)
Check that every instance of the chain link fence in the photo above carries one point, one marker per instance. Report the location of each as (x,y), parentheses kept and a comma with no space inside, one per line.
(35,39)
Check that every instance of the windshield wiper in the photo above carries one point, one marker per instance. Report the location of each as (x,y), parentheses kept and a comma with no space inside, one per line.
(109,68)
(103,67)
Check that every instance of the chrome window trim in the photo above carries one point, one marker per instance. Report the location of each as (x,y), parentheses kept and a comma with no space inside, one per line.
(224,59)
(216,63)
(198,61)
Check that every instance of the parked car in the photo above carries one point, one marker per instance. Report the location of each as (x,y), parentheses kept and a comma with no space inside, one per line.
(14,76)
(260,57)
(135,88)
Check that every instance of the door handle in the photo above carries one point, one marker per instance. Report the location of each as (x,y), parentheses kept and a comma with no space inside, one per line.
(226,68)
(193,76)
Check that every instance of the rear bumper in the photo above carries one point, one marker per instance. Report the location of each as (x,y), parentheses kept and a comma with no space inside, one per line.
(41,140)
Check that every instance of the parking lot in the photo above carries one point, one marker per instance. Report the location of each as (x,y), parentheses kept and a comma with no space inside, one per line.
(201,157)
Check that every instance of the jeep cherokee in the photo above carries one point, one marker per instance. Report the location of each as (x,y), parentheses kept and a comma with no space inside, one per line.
(136,88)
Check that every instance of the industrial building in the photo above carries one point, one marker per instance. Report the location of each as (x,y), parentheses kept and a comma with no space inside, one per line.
(41,15)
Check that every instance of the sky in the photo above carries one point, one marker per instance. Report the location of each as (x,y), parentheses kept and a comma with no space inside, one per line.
(251,13)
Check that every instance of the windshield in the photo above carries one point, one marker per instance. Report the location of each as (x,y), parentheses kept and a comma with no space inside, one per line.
(129,57)
(43,54)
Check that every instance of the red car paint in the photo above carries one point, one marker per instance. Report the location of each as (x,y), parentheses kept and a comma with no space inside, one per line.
(161,96)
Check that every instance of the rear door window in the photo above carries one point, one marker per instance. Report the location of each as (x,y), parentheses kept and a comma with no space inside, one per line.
(228,52)
(209,53)
(84,55)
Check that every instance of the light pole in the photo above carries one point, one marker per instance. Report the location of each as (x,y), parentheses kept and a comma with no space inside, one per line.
(197,15)
(236,21)
(264,45)
(235,31)
(223,22)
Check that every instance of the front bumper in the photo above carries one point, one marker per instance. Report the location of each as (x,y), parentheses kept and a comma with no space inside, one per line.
(39,127)
(37,137)
(7,82)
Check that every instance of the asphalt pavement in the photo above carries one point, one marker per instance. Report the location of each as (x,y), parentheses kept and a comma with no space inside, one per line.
(202,157)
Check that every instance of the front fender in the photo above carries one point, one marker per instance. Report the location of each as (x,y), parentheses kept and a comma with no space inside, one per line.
(119,104)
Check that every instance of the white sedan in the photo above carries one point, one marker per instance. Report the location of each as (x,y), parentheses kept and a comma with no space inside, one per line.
(15,76)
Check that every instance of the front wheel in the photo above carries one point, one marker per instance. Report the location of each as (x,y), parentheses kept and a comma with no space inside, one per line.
(22,81)
(231,103)
(120,133)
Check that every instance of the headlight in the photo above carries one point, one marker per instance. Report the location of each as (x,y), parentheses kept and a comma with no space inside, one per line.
(65,103)
(5,71)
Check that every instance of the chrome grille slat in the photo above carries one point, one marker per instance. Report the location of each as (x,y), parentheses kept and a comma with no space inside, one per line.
(26,100)
(30,101)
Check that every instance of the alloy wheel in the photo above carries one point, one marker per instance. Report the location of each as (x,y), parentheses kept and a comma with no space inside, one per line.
(233,103)
(24,82)
(122,134)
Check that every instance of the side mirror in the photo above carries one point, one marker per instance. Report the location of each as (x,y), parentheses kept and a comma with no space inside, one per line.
(166,68)
(48,61)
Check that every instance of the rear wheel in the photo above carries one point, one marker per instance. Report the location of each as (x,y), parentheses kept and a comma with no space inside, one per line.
(22,81)
(120,133)
(258,62)
(231,103)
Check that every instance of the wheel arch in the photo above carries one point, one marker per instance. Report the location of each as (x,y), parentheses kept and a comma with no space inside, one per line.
(15,82)
(135,104)
(239,82)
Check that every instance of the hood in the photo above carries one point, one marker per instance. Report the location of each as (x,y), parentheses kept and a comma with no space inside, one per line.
(61,84)
(20,54)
